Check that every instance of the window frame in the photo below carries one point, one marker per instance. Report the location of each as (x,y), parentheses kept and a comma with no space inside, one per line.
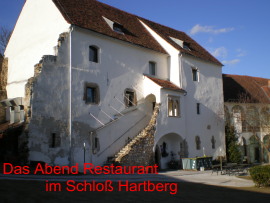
(95,50)
(175,106)
(198,142)
(118,28)
(127,101)
(54,140)
(96,93)
(195,74)
(198,108)
(152,68)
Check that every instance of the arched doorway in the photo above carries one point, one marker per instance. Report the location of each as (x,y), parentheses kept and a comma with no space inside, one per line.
(266,143)
(254,149)
(172,147)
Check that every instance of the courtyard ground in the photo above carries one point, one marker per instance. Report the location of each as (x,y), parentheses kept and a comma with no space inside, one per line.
(192,187)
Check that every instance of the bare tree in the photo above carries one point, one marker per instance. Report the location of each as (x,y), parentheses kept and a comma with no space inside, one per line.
(4,38)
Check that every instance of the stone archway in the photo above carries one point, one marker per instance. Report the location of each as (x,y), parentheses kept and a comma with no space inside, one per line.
(150,102)
(266,143)
(171,147)
(254,149)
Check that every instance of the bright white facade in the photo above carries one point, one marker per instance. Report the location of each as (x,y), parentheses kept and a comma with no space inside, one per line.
(66,129)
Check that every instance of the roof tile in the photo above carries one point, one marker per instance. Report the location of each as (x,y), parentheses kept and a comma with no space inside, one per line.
(89,14)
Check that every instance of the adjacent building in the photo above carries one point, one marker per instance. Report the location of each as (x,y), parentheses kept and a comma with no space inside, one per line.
(247,108)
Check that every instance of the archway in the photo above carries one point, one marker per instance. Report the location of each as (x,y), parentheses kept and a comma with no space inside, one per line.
(266,143)
(172,147)
(254,149)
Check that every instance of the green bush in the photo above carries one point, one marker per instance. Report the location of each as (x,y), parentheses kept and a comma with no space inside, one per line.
(260,175)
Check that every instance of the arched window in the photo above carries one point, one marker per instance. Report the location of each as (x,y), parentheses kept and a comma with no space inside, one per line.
(173,106)
(238,119)
(265,119)
(252,119)
(227,116)
(93,54)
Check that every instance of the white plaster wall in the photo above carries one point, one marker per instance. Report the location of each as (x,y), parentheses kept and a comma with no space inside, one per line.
(121,65)
(208,92)
(149,87)
(174,71)
(35,34)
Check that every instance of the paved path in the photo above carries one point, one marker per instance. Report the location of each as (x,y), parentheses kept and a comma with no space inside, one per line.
(205,177)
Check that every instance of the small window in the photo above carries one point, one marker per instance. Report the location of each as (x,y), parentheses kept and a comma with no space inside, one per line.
(55,140)
(118,28)
(186,46)
(195,74)
(198,142)
(173,106)
(213,141)
(152,68)
(93,54)
(130,98)
(91,93)
(198,108)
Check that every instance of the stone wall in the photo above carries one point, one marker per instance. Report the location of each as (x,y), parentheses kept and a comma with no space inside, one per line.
(3,84)
(139,152)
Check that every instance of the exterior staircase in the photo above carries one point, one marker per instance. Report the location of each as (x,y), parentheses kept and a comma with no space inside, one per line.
(139,151)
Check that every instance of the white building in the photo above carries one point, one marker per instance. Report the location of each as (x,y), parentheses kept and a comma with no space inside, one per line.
(101,72)
(247,104)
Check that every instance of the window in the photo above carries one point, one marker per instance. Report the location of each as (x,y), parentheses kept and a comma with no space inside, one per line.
(152,68)
(213,142)
(93,54)
(198,108)
(130,98)
(118,28)
(186,46)
(55,140)
(173,106)
(195,74)
(198,142)
(91,93)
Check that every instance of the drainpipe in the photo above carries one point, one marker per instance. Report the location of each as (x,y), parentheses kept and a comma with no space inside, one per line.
(70,94)
(181,70)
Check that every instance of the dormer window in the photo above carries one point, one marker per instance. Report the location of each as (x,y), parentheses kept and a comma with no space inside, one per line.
(181,43)
(118,28)
(186,46)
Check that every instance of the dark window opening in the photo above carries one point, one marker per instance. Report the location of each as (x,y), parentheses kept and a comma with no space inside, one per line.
(198,142)
(198,108)
(55,140)
(152,68)
(118,28)
(194,74)
(186,46)
(93,54)
(91,94)
(130,98)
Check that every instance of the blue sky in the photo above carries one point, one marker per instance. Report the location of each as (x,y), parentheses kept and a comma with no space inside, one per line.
(237,32)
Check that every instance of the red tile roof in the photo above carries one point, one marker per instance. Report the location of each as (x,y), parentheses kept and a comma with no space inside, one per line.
(255,88)
(89,14)
(165,84)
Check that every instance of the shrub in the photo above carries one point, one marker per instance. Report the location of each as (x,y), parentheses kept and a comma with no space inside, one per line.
(260,175)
